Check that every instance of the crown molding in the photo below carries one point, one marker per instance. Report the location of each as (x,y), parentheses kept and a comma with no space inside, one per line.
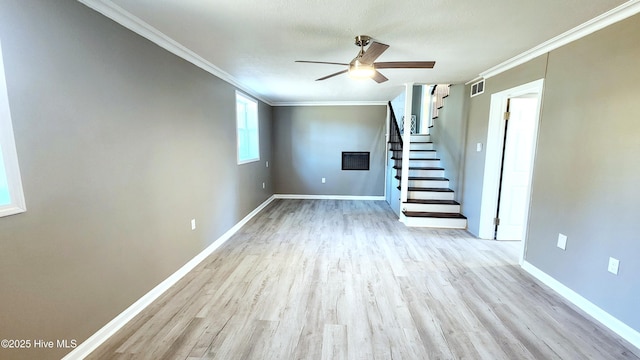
(330,103)
(477,78)
(610,17)
(140,27)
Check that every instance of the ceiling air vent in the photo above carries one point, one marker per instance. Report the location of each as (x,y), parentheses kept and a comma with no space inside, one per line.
(477,88)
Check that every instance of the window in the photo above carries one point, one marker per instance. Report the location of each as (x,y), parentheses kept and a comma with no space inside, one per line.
(247,124)
(11,196)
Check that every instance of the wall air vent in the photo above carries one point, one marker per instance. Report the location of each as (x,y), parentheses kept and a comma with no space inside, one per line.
(355,160)
(477,88)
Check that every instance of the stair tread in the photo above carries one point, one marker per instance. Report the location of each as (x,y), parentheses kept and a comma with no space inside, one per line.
(434,215)
(425,189)
(432,202)
(413,159)
(419,168)
(425,168)
(429,189)
(427,178)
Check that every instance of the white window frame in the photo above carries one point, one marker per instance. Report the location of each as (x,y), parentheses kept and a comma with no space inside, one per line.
(247,129)
(8,150)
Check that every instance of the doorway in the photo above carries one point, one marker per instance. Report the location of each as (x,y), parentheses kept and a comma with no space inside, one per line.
(517,163)
(509,186)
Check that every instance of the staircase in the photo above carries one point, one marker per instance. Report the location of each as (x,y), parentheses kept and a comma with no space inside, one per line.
(430,201)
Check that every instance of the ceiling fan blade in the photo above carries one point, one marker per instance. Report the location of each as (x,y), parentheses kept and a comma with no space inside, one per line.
(405,65)
(379,78)
(321,62)
(332,75)
(373,52)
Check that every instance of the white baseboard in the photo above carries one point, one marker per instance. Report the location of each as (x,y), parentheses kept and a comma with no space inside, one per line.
(327,197)
(606,319)
(92,343)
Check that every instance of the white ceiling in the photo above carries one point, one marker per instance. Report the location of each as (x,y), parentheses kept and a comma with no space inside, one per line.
(256,42)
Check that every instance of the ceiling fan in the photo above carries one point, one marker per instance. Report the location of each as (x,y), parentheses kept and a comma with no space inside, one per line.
(364,65)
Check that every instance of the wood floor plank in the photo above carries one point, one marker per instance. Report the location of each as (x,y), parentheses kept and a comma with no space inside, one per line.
(334,342)
(331,279)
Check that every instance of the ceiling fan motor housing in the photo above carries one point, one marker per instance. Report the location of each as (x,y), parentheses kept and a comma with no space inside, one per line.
(363,40)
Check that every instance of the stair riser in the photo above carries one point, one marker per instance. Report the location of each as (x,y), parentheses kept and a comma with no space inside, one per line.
(430,195)
(429,183)
(423,155)
(435,222)
(422,138)
(454,209)
(426,173)
(424,163)
(421,146)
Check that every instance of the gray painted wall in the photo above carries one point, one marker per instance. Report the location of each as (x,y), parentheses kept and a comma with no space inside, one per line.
(416,107)
(586,178)
(449,136)
(120,145)
(398,106)
(308,142)
(586,172)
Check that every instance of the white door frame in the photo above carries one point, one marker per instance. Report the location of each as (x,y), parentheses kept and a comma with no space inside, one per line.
(493,159)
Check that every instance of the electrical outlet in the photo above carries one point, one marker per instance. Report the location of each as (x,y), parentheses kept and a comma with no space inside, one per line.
(324,180)
(193,224)
(263,185)
(562,241)
(479,147)
(267,164)
(614,265)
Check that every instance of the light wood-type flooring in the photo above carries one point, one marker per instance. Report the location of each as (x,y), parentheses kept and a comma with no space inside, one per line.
(324,279)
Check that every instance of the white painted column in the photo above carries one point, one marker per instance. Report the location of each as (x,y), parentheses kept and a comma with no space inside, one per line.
(406,143)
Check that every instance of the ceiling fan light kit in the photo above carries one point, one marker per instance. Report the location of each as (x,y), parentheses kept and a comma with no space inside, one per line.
(359,70)
(363,66)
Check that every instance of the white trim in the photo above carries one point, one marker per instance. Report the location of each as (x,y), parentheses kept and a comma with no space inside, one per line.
(330,103)
(493,156)
(328,197)
(477,78)
(8,152)
(100,336)
(606,319)
(612,16)
(140,27)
